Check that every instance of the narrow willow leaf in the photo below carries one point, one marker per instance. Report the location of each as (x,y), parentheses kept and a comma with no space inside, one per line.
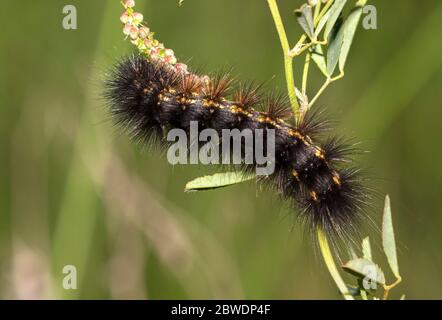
(304,15)
(388,240)
(319,58)
(217,180)
(331,266)
(335,11)
(349,30)
(364,268)
(366,249)
(322,23)
(334,49)
(403,297)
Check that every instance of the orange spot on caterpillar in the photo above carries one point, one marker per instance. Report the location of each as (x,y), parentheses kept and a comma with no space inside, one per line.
(235,109)
(336,179)
(295,174)
(314,196)
(319,153)
(295,133)
(182,100)
(263,119)
(210,103)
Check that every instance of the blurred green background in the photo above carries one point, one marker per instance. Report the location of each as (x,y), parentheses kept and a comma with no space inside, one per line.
(73,191)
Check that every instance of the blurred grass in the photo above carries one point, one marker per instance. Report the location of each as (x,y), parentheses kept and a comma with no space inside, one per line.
(72,191)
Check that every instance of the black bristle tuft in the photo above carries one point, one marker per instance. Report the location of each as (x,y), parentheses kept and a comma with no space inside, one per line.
(312,123)
(247,95)
(189,85)
(339,149)
(216,88)
(277,106)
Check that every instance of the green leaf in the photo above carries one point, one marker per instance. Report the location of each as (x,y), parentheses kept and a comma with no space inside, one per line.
(335,11)
(364,268)
(403,297)
(322,23)
(334,49)
(319,58)
(304,15)
(366,249)
(331,266)
(388,240)
(217,180)
(349,30)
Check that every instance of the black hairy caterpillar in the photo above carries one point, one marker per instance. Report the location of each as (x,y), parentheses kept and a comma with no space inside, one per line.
(149,98)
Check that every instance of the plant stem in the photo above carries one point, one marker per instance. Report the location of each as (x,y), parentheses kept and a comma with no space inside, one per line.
(305,73)
(301,47)
(317,11)
(288,61)
(323,12)
(327,82)
(331,266)
(318,94)
(387,288)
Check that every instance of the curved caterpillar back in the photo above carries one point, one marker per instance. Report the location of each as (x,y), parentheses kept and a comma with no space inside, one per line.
(148,99)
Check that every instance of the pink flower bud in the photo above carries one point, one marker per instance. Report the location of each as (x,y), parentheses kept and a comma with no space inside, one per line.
(170,59)
(129,3)
(169,52)
(181,67)
(138,17)
(147,43)
(154,52)
(124,18)
(133,33)
(144,32)
(127,28)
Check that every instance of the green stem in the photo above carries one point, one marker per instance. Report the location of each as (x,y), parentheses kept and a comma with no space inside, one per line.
(318,94)
(317,11)
(331,266)
(288,61)
(387,288)
(305,73)
(327,82)
(323,12)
